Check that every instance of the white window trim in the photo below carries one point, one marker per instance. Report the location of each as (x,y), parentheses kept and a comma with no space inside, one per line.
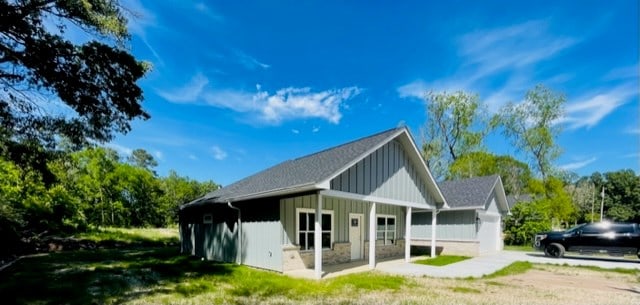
(207,218)
(395,233)
(305,210)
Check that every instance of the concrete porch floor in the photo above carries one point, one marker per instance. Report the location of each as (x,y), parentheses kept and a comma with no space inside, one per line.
(330,271)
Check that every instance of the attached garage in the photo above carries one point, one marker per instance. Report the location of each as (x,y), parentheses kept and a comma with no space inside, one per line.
(473,224)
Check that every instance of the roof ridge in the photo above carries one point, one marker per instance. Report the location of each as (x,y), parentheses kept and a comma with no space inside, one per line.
(348,143)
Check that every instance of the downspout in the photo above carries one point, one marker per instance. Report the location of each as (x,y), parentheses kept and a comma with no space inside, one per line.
(239,231)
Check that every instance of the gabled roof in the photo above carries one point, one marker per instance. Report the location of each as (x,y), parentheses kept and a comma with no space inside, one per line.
(311,172)
(473,193)
(514,199)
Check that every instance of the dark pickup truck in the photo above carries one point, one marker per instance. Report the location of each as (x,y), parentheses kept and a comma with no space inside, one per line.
(615,239)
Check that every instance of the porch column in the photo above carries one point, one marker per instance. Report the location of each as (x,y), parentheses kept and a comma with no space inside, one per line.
(407,236)
(434,215)
(317,238)
(372,236)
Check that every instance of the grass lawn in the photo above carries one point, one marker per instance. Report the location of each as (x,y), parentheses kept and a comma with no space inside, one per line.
(525,248)
(151,236)
(163,276)
(441,260)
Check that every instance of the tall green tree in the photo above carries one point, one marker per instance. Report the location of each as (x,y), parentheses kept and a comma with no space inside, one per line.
(52,86)
(90,174)
(515,174)
(178,190)
(139,192)
(532,127)
(454,127)
(141,158)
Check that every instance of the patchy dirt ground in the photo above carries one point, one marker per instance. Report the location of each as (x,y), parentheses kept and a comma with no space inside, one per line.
(545,284)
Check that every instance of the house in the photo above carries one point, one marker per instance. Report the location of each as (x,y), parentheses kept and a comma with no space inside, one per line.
(473,223)
(364,190)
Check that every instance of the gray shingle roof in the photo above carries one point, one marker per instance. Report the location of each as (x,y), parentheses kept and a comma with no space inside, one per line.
(513,200)
(304,171)
(472,192)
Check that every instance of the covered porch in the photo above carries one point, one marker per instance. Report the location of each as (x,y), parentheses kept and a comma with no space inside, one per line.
(373,220)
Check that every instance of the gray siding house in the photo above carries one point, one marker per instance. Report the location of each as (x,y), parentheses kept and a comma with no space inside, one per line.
(473,223)
(365,192)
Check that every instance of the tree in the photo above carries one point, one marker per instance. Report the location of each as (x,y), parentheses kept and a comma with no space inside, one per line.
(139,191)
(525,220)
(515,174)
(583,194)
(178,190)
(91,175)
(141,158)
(623,191)
(53,87)
(448,132)
(532,126)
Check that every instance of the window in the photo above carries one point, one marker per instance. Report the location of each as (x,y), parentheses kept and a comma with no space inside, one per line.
(306,229)
(207,218)
(386,230)
(593,229)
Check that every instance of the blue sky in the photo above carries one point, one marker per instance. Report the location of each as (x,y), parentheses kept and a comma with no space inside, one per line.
(240,86)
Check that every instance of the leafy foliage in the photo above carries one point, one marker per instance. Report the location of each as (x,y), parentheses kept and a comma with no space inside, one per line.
(525,221)
(93,187)
(449,130)
(55,87)
(532,127)
(515,174)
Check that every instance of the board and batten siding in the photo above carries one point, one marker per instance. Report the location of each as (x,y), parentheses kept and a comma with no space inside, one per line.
(341,209)
(451,225)
(388,173)
(493,205)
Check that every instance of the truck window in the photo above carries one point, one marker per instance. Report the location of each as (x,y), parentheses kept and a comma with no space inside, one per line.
(593,229)
(622,228)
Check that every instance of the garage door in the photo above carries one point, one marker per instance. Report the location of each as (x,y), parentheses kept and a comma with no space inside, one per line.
(489,233)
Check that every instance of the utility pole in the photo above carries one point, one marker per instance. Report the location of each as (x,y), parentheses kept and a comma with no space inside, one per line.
(593,200)
(602,203)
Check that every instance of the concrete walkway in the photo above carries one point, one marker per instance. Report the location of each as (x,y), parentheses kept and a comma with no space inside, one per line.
(488,264)
(474,267)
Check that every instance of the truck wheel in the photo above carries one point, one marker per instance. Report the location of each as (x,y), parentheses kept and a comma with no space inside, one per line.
(554,250)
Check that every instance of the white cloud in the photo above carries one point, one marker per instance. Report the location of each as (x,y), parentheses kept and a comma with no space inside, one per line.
(632,155)
(417,88)
(634,130)
(509,48)
(315,129)
(158,154)
(295,131)
(122,150)
(249,62)
(218,153)
(192,157)
(510,53)
(285,104)
(139,20)
(577,165)
(206,10)
(590,109)
(623,73)
(189,93)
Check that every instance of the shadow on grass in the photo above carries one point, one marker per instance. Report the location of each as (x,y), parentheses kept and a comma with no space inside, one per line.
(586,257)
(104,276)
